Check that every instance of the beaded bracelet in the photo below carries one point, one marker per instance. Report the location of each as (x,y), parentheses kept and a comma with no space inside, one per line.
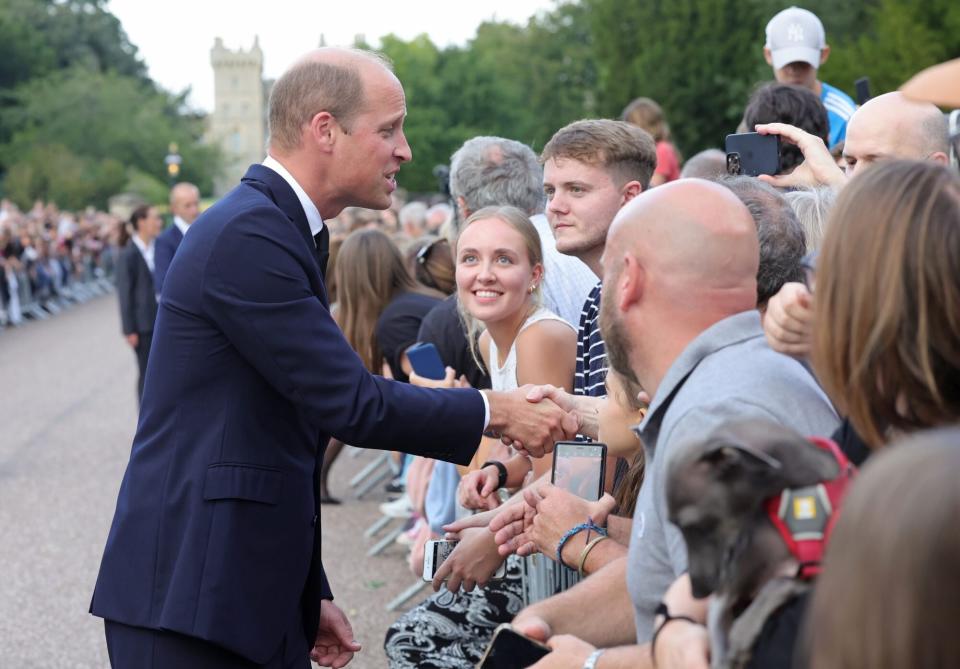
(575,530)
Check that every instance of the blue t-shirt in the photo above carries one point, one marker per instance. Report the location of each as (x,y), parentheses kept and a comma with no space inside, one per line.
(840,108)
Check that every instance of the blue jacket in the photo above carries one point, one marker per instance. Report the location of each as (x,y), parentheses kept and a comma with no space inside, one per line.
(164,248)
(216,531)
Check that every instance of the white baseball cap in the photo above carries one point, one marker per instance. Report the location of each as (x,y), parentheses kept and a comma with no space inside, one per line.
(794,35)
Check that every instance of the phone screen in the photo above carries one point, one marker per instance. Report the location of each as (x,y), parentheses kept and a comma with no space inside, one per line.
(510,649)
(439,551)
(579,468)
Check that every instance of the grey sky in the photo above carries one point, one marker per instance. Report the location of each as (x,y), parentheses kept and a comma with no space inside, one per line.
(175,36)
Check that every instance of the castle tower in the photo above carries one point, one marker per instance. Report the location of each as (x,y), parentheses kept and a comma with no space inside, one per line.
(238,123)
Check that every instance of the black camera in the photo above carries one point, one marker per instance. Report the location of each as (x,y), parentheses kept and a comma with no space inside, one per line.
(442,175)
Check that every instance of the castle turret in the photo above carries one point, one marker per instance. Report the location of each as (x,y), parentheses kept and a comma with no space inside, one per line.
(238,122)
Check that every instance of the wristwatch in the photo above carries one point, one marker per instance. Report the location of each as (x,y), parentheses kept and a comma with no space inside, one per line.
(591,662)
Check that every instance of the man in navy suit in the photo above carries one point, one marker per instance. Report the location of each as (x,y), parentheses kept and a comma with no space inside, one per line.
(185,207)
(213,557)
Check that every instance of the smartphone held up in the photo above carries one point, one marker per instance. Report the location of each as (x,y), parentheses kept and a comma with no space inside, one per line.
(753,154)
(580,468)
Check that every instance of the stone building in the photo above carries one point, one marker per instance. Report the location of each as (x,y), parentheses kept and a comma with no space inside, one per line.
(238,122)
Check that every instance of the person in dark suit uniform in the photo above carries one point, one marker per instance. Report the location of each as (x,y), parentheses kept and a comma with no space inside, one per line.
(213,556)
(185,207)
(135,289)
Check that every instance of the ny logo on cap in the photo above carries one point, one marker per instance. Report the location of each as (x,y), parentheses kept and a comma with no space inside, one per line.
(795,32)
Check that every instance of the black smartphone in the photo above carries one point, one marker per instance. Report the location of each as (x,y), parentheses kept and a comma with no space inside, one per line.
(510,650)
(580,467)
(863,89)
(751,153)
(425,360)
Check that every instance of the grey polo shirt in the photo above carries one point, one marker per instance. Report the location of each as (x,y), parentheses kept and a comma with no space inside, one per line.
(727,373)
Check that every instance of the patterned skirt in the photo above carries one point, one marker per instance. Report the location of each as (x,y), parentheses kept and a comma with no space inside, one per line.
(452,630)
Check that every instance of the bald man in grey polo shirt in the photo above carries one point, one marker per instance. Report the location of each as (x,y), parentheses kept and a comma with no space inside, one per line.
(679,318)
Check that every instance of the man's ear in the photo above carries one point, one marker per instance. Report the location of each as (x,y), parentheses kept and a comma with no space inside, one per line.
(768,56)
(824,54)
(630,190)
(462,208)
(631,280)
(322,130)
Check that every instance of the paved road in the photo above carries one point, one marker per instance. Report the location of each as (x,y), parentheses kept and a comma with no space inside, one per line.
(67,416)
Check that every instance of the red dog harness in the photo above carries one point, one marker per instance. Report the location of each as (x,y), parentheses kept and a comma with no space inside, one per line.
(805,516)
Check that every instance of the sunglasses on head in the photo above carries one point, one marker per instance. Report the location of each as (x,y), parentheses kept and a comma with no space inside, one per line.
(425,250)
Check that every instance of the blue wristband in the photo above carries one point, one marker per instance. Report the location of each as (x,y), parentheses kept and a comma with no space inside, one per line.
(572,532)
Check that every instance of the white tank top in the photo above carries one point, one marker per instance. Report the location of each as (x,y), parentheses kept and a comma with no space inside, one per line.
(505,377)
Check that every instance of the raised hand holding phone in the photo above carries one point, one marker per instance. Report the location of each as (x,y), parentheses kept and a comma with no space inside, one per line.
(752,154)
(580,468)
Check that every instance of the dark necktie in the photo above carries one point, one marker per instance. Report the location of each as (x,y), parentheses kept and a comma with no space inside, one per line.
(322,240)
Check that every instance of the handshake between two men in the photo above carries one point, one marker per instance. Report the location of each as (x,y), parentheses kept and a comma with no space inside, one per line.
(531,418)
(535,519)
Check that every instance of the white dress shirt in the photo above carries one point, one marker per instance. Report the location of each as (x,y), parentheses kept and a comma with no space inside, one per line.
(146,250)
(316,225)
(181,224)
(309,208)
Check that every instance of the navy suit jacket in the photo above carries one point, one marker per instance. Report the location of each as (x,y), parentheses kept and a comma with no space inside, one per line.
(163,249)
(216,531)
(136,293)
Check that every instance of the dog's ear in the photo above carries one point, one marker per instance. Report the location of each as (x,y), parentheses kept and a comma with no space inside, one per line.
(804,463)
(771,455)
(732,460)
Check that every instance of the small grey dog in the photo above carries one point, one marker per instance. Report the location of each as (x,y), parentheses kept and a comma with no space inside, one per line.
(718,494)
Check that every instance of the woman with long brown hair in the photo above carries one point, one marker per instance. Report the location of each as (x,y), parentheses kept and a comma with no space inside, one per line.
(887,351)
(886,348)
(380,305)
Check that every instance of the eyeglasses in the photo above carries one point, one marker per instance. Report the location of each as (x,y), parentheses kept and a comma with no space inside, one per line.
(425,250)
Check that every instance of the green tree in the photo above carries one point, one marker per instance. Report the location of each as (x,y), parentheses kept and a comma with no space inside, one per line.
(25,49)
(900,38)
(521,82)
(103,117)
(52,172)
(700,59)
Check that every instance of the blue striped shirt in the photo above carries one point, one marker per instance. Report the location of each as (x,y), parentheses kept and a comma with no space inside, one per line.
(840,108)
(591,368)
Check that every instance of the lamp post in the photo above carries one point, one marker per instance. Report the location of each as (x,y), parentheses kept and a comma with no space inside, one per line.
(173,161)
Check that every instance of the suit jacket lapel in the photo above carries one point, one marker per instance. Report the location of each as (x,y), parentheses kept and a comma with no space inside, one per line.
(282,194)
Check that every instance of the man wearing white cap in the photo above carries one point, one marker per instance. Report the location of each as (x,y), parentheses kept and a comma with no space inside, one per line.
(796,47)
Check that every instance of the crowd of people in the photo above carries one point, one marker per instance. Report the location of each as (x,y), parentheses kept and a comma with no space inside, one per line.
(50,259)
(754,340)
(708,318)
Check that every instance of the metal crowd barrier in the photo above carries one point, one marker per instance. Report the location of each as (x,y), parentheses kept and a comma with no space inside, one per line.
(63,283)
